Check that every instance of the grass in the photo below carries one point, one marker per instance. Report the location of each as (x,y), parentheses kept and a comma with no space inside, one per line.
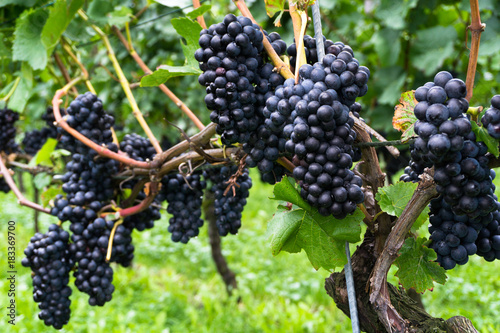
(175,288)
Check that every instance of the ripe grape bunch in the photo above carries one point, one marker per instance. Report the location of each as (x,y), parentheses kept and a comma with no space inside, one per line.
(228,59)
(229,202)
(184,197)
(34,140)
(320,137)
(445,141)
(50,260)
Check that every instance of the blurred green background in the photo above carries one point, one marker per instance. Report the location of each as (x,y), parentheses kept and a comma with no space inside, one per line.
(174,287)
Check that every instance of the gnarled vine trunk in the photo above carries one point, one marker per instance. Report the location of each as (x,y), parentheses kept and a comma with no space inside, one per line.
(363,262)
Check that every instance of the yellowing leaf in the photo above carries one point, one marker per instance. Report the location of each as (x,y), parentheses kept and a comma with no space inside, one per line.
(404,117)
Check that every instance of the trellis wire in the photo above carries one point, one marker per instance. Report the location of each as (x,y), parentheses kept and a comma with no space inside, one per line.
(351,292)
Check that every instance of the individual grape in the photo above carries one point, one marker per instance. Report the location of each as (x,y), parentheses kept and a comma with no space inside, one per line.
(229,206)
(50,261)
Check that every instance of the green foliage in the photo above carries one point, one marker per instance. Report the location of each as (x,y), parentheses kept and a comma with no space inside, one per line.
(417,268)
(28,45)
(190,30)
(482,135)
(301,227)
(43,156)
(394,198)
(199,11)
(61,14)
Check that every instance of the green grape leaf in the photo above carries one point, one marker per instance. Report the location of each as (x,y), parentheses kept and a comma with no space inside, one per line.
(393,13)
(273,7)
(348,229)
(294,230)
(43,156)
(190,31)
(299,227)
(164,72)
(50,194)
(61,14)
(482,135)
(42,180)
(388,55)
(199,11)
(120,16)
(24,89)
(404,119)
(4,50)
(432,47)
(393,199)
(416,266)
(99,9)
(28,45)
(421,219)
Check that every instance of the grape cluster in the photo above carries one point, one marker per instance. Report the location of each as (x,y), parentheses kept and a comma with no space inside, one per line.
(137,147)
(49,257)
(88,186)
(445,141)
(348,78)
(87,116)
(228,207)
(7,130)
(453,236)
(228,57)
(491,118)
(184,198)
(34,140)
(93,275)
(488,240)
(320,139)
(264,146)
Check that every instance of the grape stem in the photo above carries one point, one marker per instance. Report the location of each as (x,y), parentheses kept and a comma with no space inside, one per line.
(12,90)
(20,197)
(163,87)
(363,126)
(388,315)
(34,170)
(476,28)
(77,135)
(64,71)
(299,21)
(111,237)
(194,157)
(124,83)
(281,67)
(144,204)
(84,71)
(383,143)
(201,20)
